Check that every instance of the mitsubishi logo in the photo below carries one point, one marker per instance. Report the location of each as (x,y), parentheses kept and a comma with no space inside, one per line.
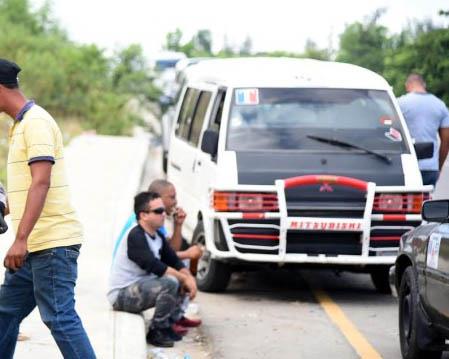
(325,187)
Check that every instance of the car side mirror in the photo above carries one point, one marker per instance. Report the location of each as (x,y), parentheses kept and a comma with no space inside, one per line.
(424,150)
(209,143)
(435,211)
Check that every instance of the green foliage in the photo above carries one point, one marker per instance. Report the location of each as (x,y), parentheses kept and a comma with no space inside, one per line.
(420,47)
(173,40)
(71,80)
(201,46)
(365,44)
(428,55)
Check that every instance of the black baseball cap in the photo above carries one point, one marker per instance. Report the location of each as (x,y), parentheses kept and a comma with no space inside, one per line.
(8,72)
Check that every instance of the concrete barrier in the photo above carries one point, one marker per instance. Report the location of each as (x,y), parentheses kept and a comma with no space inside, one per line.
(129,334)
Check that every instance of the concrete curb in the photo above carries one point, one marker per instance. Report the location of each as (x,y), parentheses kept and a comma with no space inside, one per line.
(129,329)
(129,336)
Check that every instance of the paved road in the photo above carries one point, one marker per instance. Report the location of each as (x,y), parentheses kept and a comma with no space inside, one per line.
(271,314)
(282,314)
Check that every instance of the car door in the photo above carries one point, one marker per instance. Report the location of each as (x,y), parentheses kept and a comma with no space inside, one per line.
(184,150)
(206,165)
(181,153)
(437,273)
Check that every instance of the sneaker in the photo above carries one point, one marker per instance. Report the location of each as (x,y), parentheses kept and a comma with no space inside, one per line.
(159,338)
(189,323)
(169,332)
(179,329)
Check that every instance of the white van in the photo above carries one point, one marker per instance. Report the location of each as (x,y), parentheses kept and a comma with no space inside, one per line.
(293,161)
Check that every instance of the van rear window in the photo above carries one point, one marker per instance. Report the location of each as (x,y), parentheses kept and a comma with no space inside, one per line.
(282,119)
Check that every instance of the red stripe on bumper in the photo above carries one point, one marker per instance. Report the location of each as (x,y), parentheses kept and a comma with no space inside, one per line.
(256,236)
(385,238)
(253,215)
(394,217)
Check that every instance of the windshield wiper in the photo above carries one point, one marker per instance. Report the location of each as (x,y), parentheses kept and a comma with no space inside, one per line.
(340,143)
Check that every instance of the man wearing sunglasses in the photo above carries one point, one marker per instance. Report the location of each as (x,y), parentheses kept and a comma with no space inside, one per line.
(146,272)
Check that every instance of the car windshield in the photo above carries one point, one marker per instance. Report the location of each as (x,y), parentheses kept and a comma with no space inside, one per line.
(289,118)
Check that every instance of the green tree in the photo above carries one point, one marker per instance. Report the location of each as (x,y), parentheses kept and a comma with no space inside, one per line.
(247,47)
(173,40)
(365,44)
(72,81)
(312,51)
(428,55)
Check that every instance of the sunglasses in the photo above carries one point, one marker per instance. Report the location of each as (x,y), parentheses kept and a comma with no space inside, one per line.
(159,210)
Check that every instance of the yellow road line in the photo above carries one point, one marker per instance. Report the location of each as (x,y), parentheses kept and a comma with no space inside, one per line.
(349,330)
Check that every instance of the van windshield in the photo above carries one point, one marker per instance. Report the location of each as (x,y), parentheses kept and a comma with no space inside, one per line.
(289,118)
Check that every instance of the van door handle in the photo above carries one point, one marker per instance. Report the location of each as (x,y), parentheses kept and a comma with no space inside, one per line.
(175,166)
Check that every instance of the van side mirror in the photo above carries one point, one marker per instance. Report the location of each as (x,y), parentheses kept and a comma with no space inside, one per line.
(209,143)
(424,150)
(435,211)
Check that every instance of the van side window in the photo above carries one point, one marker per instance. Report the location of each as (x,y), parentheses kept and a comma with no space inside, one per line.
(198,119)
(217,110)
(186,113)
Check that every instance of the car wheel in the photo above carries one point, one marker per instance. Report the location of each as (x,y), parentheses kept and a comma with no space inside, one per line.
(212,275)
(408,312)
(379,277)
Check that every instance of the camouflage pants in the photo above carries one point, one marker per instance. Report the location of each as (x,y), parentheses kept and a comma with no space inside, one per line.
(161,293)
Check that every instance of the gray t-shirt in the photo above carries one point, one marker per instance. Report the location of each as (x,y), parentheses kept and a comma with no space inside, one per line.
(425,114)
(124,271)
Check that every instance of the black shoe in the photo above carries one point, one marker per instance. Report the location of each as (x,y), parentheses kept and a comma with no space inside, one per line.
(159,338)
(170,333)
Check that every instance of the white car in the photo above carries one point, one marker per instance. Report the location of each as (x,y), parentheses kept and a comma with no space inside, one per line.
(293,162)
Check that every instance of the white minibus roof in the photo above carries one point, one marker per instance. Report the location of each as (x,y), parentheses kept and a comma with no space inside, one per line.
(284,72)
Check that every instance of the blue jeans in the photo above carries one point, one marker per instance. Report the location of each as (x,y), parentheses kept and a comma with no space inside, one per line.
(46,279)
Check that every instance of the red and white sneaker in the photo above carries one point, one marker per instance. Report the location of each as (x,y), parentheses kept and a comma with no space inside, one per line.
(189,323)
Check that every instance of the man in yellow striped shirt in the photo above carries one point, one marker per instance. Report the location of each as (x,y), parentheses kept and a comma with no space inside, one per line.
(42,261)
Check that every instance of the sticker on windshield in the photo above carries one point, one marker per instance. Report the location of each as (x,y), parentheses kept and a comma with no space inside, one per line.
(247,97)
(393,135)
(386,120)
(433,250)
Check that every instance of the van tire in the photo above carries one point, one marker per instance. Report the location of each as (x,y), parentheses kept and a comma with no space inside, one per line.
(212,275)
(379,277)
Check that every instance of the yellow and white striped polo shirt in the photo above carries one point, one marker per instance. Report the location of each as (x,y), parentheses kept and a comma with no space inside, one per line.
(37,137)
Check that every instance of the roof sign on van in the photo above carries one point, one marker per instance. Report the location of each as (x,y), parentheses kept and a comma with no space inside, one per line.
(394,135)
(247,96)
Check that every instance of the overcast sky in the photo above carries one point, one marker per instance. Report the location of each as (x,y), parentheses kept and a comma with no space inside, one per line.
(272,25)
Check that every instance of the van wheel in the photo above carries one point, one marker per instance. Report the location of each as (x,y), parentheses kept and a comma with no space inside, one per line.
(379,277)
(408,321)
(212,275)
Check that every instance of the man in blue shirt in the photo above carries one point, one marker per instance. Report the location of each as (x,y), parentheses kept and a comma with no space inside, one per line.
(427,119)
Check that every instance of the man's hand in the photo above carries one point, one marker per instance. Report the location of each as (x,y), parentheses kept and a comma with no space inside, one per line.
(16,255)
(194,252)
(179,216)
(189,285)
